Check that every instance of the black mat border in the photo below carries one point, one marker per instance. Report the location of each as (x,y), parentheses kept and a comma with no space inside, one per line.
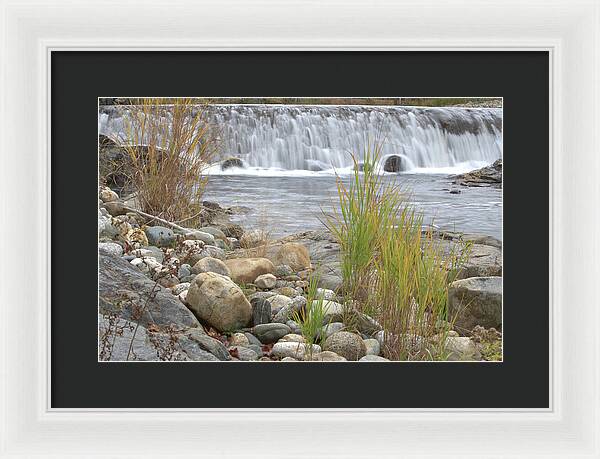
(79,381)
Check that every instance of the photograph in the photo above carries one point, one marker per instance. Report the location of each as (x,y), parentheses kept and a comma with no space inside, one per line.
(300,229)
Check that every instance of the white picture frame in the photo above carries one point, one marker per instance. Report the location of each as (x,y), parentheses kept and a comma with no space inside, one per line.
(568,29)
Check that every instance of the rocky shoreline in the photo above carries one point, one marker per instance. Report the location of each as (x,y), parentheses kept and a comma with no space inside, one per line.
(222,293)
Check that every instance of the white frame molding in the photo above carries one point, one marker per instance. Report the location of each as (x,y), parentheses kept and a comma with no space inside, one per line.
(568,29)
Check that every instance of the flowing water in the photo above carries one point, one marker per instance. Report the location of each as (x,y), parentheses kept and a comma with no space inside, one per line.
(292,153)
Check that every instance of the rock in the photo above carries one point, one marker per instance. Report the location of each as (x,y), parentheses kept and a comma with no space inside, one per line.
(262,295)
(200,236)
(292,338)
(287,291)
(115,208)
(211,265)
(245,270)
(177,289)
(184,270)
(238,339)
(252,339)
(283,271)
(105,226)
(270,333)
(332,311)
(155,252)
(124,290)
(218,301)
(366,324)
(293,254)
(461,348)
(486,176)
(265,281)
(394,163)
(289,311)
(231,162)
(117,335)
(110,248)
(483,261)
(289,359)
(261,311)
(243,353)
(475,301)
(168,281)
(330,329)
(349,345)
(278,302)
(215,232)
(372,346)
(294,327)
(221,244)
(189,252)
(325,293)
(296,351)
(373,358)
(209,344)
(160,236)
(327,356)
(212,251)
(108,195)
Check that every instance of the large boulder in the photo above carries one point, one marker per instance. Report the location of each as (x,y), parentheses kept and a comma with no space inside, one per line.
(219,302)
(245,270)
(119,340)
(294,255)
(349,345)
(475,301)
(125,291)
(483,261)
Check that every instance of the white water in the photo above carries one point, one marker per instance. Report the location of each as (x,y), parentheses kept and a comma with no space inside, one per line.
(282,140)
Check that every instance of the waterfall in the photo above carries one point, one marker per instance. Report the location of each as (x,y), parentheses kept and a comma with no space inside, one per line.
(321,137)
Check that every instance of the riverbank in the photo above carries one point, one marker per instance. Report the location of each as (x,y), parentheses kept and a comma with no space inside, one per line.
(223,292)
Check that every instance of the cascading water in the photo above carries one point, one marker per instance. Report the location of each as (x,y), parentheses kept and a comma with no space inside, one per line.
(320,138)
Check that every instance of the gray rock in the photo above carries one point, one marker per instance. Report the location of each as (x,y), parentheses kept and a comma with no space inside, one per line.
(332,311)
(184,271)
(209,344)
(123,290)
(283,271)
(373,347)
(366,324)
(105,227)
(116,336)
(394,163)
(261,311)
(221,244)
(486,176)
(270,333)
(373,358)
(289,311)
(156,253)
(232,162)
(294,327)
(160,236)
(115,208)
(252,339)
(349,345)
(243,353)
(261,295)
(111,248)
(475,301)
(483,261)
(212,251)
(238,339)
(325,293)
(215,232)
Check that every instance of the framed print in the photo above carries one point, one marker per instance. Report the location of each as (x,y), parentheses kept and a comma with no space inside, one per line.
(361,236)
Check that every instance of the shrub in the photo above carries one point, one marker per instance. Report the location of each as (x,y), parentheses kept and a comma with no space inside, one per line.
(170,147)
(391,268)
